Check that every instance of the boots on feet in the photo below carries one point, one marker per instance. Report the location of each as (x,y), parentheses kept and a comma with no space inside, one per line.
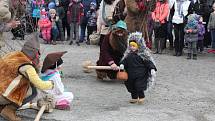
(9,113)
(189,56)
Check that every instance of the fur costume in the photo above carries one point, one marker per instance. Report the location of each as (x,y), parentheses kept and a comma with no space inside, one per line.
(136,18)
(19,79)
(112,49)
(9,71)
(138,64)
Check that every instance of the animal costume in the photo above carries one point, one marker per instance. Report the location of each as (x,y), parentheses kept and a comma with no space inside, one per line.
(50,71)
(136,18)
(45,25)
(19,78)
(138,64)
(112,49)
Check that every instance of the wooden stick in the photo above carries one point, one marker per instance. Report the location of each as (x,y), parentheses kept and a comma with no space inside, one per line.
(42,109)
(100,67)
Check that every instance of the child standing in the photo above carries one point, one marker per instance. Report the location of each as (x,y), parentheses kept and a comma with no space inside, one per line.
(191,35)
(45,26)
(57,29)
(51,71)
(201,28)
(92,18)
(211,28)
(74,14)
(139,65)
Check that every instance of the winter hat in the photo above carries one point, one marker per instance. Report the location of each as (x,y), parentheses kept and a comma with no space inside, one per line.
(51,5)
(52,11)
(192,20)
(93,4)
(132,43)
(51,59)
(121,24)
(43,12)
(31,49)
(5,14)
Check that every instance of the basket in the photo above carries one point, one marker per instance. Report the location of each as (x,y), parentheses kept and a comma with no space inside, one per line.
(94,38)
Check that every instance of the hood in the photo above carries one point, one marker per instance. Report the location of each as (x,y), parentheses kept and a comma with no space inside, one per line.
(31,49)
(143,50)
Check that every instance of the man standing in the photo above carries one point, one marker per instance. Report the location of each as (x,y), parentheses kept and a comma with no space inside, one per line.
(5,23)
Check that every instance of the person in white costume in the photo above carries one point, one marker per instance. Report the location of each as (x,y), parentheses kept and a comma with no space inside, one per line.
(51,71)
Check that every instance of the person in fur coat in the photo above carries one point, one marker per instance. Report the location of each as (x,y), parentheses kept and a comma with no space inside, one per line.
(111,51)
(19,78)
(137,13)
(139,65)
(45,26)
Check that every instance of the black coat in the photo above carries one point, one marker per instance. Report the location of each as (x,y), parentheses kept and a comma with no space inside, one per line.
(138,70)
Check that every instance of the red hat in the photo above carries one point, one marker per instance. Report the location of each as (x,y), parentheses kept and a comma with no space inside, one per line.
(43,12)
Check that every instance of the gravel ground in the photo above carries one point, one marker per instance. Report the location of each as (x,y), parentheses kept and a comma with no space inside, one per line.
(184,90)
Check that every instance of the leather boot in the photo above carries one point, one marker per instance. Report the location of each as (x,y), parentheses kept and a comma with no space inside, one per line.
(9,113)
(189,56)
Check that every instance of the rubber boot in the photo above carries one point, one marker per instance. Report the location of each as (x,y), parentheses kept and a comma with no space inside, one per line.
(9,113)
(194,56)
(189,56)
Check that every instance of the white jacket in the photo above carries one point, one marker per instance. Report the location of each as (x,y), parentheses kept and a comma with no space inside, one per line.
(179,15)
(109,9)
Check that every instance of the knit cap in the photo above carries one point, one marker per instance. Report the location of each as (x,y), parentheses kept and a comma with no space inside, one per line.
(132,43)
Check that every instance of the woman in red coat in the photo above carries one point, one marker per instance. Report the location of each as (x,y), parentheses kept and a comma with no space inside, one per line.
(159,15)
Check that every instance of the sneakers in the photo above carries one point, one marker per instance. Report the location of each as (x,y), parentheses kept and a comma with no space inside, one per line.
(9,113)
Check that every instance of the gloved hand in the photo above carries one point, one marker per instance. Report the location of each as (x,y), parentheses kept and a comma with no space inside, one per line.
(153,73)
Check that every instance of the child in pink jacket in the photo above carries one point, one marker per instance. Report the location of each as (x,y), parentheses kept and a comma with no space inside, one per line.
(45,26)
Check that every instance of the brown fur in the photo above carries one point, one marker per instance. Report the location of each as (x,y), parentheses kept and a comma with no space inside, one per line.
(118,40)
(9,71)
(137,20)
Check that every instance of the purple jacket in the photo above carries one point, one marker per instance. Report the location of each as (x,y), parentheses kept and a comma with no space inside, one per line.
(201,31)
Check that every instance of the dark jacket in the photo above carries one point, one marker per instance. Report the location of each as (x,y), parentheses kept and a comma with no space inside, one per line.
(59,25)
(75,12)
(60,12)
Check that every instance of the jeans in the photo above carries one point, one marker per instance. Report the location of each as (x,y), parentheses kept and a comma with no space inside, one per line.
(192,47)
(55,33)
(74,31)
(169,32)
(213,38)
(83,30)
